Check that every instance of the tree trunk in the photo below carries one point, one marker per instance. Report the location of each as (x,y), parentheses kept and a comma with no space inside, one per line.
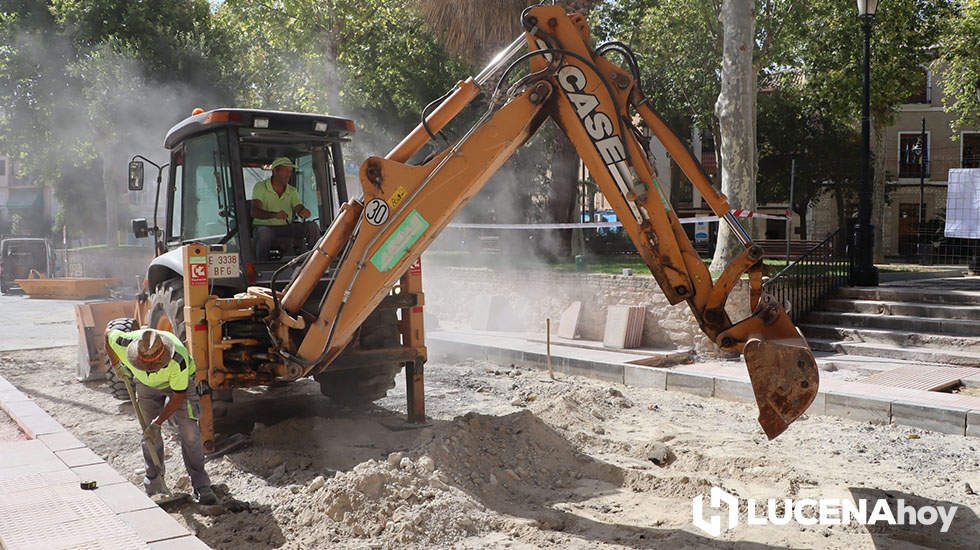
(110,173)
(564,190)
(735,110)
(878,189)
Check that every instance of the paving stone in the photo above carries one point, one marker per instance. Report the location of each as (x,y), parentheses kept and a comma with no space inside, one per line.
(153,524)
(624,326)
(5,385)
(590,369)
(19,453)
(18,409)
(48,465)
(690,383)
(945,420)
(734,390)
(180,543)
(79,457)
(124,497)
(819,405)
(973,423)
(60,441)
(11,395)
(30,482)
(40,424)
(859,408)
(645,377)
(568,324)
(101,473)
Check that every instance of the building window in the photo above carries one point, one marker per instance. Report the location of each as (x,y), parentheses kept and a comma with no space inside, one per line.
(922,92)
(3,167)
(913,154)
(970,153)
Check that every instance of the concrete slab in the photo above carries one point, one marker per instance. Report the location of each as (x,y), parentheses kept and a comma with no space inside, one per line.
(101,473)
(60,441)
(602,371)
(568,324)
(124,497)
(624,327)
(734,390)
(30,482)
(973,423)
(819,405)
(40,424)
(12,395)
(691,383)
(45,466)
(18,409)
(858,407)
(950,421)
(645,377)
(180,543)
(19,453)
(79,457)
(153,524)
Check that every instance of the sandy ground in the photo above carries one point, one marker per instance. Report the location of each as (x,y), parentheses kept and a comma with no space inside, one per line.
(513,459)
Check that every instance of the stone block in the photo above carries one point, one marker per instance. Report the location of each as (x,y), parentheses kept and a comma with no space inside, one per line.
(948,420)
(691,383)
(624,327)
(734,390)
(39,424)
(101,473)
(180,543)
(973,423)
(568,324)
(60,441)
(819,405)
(493,312)
(79,457)
(608,372)
(124,497)
(645,377)
(859,408)
(153,524)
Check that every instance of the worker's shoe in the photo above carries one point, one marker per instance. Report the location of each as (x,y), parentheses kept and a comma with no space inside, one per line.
(205,495)
(154,486)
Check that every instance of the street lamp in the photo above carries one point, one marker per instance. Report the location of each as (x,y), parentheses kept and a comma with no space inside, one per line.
(864,272)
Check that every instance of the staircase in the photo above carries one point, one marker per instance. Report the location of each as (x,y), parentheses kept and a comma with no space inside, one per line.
(925,321)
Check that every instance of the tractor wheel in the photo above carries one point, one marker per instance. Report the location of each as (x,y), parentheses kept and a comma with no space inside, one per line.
(116,386)
(166,311)
(361,387)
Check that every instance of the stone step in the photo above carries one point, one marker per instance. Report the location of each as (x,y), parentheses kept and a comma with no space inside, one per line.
(881,307)
(916,295)
(889,352)
(952,344)
(904,323)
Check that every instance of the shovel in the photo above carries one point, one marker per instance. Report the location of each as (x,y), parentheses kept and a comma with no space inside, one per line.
(139,414)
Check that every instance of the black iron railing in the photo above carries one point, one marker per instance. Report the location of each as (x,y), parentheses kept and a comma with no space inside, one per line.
(804,283)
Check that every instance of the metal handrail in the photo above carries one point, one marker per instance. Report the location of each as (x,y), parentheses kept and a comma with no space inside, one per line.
(805,282)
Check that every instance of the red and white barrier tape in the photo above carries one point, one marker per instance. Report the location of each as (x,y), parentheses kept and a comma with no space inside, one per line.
(611,225)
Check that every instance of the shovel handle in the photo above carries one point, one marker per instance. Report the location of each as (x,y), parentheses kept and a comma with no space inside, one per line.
(139,414)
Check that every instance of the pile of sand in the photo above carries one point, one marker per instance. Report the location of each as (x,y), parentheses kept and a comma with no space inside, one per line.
(394,502)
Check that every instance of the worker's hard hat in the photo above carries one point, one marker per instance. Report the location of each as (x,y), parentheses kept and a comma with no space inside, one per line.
(281,161)
(150,352)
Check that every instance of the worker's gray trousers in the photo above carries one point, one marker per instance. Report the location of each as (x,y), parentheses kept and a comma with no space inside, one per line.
(152,402)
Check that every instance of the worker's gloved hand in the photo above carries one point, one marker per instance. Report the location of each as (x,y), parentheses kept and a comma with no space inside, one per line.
(152,433)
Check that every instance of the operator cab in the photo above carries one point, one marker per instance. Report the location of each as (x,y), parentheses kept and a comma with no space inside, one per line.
(216,159)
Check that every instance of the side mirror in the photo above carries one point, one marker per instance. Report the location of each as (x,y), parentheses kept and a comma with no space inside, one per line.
(140,228)
(136,175)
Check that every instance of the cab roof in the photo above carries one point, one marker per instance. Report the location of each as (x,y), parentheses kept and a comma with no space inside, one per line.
(302,124)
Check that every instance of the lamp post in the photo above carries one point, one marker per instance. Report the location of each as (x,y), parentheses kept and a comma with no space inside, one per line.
(864,272)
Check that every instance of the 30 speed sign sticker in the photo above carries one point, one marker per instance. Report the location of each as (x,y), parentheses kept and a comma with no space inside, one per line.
(376,212)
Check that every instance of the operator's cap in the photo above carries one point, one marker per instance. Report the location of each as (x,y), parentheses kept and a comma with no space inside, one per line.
(281,161)
(151,352)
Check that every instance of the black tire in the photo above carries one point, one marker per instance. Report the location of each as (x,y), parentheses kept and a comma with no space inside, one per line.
(363,386)
(166,310)
(116,386)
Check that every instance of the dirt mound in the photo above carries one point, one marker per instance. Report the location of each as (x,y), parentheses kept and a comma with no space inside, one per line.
(394,502)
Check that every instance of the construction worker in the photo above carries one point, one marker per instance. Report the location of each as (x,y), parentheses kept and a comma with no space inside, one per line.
(164,373)
(274,202)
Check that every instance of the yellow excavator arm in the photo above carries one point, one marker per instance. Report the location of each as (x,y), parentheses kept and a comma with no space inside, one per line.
(376,238)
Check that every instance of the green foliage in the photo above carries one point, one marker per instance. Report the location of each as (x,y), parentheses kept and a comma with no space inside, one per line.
(961,53)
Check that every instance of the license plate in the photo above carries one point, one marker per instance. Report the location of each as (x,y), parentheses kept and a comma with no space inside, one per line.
(223,266)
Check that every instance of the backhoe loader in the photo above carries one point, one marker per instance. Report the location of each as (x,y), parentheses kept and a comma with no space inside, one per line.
(348,310)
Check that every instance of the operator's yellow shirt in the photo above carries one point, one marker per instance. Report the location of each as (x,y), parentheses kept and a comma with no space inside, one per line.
(176,376)
(274,202)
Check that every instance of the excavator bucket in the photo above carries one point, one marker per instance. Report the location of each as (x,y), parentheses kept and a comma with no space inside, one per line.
(784,379)
(91,319)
